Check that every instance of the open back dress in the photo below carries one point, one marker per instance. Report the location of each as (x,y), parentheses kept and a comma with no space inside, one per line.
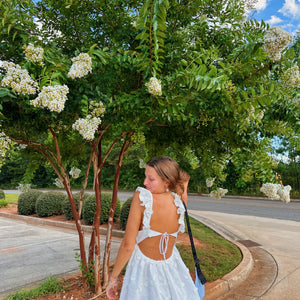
(149,279)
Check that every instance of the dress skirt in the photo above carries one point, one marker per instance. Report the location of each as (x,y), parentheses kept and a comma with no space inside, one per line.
(148,279)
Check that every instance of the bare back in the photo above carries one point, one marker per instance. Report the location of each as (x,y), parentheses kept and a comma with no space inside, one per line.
(164,219)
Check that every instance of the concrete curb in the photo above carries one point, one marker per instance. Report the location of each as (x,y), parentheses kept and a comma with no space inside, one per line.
(212,290)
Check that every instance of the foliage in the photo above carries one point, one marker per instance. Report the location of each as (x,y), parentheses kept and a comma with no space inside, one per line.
(27,202)
(49,286)
(67,210)
(86,273)
(2,194)
(89,208)
(50,204)
(3,203)
(125,212)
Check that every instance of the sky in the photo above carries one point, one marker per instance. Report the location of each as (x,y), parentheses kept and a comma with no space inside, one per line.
(284,13)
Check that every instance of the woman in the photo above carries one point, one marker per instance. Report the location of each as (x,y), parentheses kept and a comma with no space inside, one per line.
(155,270)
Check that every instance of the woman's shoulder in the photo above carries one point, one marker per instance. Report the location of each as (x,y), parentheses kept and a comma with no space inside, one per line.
(145,196)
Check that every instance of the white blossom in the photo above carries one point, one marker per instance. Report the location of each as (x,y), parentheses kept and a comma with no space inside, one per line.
(87,127)
(142,164)
(270,190)
(34,54)
(5,142)
(276,191)
(210,182)
(52,97)
(81,66)
(154,86)
(18,79)
(96,109)
(58,183)
(254,115)
(276,39)
(284,193)
(74,172)
(26,187)
(291,77)
(218,193)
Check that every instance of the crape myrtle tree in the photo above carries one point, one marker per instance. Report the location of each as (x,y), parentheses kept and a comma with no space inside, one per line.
(193,77)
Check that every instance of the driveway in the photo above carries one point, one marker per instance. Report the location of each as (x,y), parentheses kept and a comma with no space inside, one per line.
(27,250)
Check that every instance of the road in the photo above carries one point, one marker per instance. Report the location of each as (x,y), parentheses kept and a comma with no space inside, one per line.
(248,207)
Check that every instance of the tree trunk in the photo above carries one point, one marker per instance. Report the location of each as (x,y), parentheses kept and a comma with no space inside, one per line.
(107,250)
(79,230)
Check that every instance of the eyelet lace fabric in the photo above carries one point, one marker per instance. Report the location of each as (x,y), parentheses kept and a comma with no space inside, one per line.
(149,279)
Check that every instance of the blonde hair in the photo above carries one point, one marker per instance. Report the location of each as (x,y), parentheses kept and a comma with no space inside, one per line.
(169,171)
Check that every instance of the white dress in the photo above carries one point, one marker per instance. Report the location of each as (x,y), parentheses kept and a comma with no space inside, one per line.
(149,279)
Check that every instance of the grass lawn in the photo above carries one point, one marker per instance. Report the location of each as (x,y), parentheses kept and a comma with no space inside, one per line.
(12,198)
(217,256)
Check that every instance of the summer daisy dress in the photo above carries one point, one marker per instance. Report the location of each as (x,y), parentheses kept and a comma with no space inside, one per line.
(149,279)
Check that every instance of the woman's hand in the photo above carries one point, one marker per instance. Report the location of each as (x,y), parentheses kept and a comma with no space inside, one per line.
(112,288)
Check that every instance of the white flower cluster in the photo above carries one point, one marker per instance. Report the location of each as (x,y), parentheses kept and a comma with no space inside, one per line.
(52,97)
(81,66)
(5,142)
(276,39)
(210,182)
(291,77)
(154,86)
(34,54)
(18,79)
(58,183)
(284,193)
(142,164)
(218,193)
(270,190)
(96,109)
(276,191)
(24,188)
(87,127)
(21,146)
(74,172)
(254,115)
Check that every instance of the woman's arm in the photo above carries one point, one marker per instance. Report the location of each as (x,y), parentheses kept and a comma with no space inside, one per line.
(128,243)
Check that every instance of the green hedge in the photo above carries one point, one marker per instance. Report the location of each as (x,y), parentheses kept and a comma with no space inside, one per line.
(2,194)
(125,212)
(50,204)
(27,202)
(3,203)
(89,208)
(67,210)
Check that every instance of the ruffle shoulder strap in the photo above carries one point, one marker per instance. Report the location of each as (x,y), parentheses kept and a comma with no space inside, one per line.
(180,211)
(147,200)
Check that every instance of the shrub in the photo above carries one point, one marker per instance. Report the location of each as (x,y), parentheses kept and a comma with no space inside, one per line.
(27,201)
(125,212)
(67,210)
(3,203)
(89,208)
(2,194)
(50,204)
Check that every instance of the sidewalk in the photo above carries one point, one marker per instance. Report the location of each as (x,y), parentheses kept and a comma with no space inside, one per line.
(248,267)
